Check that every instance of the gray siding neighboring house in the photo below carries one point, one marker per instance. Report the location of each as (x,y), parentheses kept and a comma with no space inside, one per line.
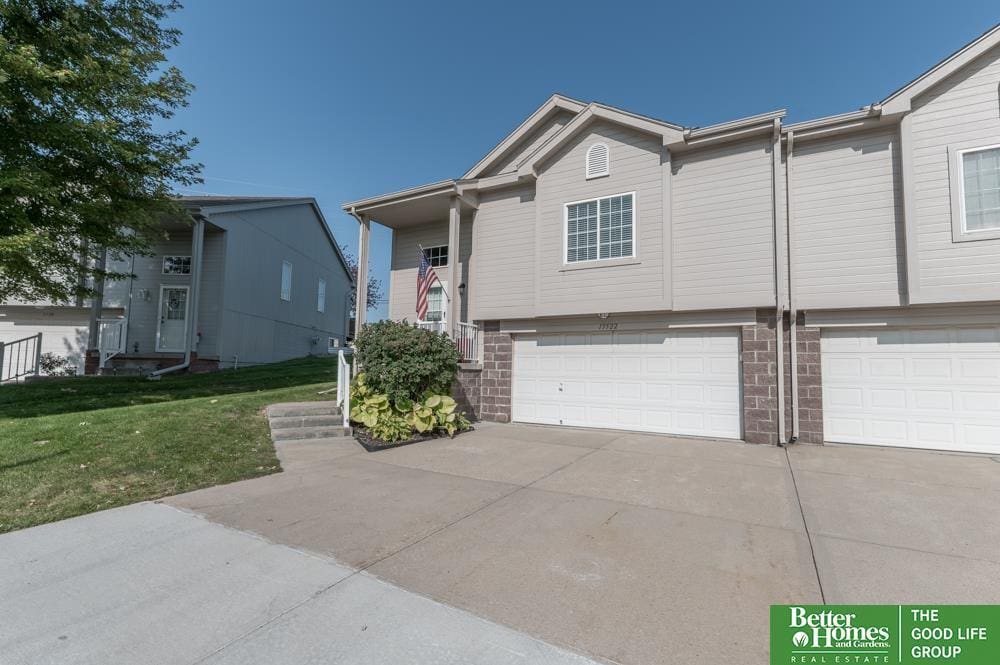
(814,281)
(242,318)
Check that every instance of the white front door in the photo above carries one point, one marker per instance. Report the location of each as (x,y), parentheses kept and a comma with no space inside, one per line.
(171,331)
(674,381)
(933,388)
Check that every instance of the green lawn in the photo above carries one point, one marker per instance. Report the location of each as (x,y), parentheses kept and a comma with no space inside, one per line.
(73,446)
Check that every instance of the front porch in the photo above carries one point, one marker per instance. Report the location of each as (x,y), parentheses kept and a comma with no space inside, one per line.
(435,223)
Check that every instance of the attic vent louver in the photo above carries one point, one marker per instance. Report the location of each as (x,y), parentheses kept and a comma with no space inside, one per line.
(598,161)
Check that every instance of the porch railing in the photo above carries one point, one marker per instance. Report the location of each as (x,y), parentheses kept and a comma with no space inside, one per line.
(344,377)
(20,358)
(111,338)
(467,340)
(466,336)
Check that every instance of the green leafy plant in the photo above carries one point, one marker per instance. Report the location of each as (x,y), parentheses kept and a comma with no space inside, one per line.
(405,362)
(370,409)
(437,412)
(391,427)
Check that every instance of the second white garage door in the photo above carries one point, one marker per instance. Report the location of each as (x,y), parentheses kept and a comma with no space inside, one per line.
(676,382)
(921,388)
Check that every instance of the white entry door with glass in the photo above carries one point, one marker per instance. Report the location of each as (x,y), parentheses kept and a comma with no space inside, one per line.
(171,332)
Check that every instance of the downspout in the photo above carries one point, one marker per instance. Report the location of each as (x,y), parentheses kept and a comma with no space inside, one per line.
(793,313)
(779,328)
(197,244)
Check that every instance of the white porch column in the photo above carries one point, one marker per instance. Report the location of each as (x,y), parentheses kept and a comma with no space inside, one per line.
(361,299)
(97,303)
(454,276)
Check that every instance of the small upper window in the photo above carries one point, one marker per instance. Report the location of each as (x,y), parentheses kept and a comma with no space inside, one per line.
(981,189)
(321,295)
(176,265)
(286,280)
(598,161)
(437,256)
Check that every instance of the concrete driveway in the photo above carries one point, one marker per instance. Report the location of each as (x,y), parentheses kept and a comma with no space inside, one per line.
(619,547)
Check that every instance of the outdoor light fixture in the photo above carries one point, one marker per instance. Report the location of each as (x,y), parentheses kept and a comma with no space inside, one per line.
(461,289)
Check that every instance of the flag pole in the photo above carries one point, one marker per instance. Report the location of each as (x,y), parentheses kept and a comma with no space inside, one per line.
(443,290)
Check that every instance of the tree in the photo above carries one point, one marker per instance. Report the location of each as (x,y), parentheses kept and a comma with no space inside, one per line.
(82,167)
(375,293)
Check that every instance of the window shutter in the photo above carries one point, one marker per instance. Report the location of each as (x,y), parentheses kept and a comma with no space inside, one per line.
(598,161)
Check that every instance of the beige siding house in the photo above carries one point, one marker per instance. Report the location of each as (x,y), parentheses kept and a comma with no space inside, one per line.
(830,280)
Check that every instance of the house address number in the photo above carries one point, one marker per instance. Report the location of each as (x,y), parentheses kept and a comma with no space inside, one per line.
(607,326)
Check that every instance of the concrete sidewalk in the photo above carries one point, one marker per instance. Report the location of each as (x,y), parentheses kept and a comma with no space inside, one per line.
(151,584)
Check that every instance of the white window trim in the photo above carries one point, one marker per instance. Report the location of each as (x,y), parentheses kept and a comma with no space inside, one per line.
(586,162)
(610,261)
(444,304)
(426,252)
(957,172)
(321,295)
(287,297)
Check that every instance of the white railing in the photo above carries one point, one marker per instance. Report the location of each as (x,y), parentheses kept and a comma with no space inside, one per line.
(111,338)
(467,340)
(344,385)
(21,357)
(433,326)
(466,336)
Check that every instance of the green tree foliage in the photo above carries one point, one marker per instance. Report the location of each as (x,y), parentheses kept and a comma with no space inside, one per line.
(405,362)
(83,166)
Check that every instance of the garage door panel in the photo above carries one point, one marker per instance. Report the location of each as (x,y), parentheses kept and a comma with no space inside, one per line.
(684,382)
(928,388)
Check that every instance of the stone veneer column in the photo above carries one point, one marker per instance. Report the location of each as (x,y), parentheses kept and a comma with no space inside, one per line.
(496,377)
(760,380)
(468,390)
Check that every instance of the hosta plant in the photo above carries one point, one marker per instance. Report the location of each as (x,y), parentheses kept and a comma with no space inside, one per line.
(437,412)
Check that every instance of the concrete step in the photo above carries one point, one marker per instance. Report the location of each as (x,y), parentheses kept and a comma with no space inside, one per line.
(304,433)
(288,409)
(286,422)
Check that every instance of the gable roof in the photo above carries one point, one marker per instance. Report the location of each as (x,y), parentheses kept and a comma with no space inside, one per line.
(900,100)
(552,105)
(594,111)
(223,204)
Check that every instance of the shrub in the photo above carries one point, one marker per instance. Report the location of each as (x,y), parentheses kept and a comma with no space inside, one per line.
(397,421)
(405,362)
(52,364)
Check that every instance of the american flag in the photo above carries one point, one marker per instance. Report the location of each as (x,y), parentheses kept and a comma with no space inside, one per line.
(426,278)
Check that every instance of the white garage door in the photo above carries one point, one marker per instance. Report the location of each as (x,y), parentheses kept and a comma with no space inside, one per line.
(922,388)
(677,382)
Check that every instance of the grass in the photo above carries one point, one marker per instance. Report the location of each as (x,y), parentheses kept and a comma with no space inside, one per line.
(77,445)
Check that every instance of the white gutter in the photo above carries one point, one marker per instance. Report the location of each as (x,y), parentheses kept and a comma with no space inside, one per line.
(779,328)
(197,246)
(793,313)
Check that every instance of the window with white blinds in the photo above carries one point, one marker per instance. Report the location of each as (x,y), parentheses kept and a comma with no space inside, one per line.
(600,229)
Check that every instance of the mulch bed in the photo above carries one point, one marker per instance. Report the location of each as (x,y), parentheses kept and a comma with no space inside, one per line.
(371,444)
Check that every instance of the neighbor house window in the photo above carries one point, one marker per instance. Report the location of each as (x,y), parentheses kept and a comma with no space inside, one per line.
(600,229)
(437,256)
(286,280)
(176,265)
(980,189)
(321,295)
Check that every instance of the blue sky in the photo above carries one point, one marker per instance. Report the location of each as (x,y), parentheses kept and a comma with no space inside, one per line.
(342,100)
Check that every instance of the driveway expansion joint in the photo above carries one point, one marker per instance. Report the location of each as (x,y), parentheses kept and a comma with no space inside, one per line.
(805,524)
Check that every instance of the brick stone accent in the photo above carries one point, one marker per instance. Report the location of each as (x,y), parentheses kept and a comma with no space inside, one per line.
(467,391)
(91,361)
(760,380)
(810,383)
(496,376)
